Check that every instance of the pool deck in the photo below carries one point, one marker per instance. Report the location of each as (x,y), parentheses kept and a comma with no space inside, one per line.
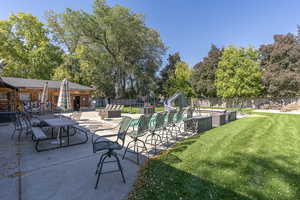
(61,174)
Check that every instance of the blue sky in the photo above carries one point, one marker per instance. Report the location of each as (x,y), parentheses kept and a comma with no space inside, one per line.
(191,26)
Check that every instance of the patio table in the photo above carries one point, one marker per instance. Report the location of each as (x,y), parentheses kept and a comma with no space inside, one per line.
(61,123)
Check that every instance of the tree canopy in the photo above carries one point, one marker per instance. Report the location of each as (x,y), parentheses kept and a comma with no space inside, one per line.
(280,64)
(167,72)
(180,81)
(26,49)
(238,73)
(130,52)
(203,77)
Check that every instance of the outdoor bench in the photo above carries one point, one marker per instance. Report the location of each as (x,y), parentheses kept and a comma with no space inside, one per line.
(38,133)
(37,136)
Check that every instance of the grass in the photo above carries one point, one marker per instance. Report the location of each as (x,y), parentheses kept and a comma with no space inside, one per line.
(136,110)
(248,159)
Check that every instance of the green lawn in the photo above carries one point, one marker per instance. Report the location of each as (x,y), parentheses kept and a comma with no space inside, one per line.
(248,159)
(136,110)
(160,109)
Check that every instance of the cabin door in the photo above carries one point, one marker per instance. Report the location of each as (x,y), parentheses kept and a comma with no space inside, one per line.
(76,103)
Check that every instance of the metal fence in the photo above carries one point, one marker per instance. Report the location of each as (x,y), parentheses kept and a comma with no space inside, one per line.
(257,103)
(101,102)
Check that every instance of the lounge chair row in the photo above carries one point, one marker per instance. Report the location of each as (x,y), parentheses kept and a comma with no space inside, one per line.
(111,111)
(157,128)
(113,107)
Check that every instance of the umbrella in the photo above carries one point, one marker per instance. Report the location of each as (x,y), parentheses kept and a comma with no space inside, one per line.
(44,97)
(64,99)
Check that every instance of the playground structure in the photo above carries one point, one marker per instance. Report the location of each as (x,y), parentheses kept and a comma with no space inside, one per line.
(180,100)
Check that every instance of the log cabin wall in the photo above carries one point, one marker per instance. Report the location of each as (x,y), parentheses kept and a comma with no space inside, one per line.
(9,99)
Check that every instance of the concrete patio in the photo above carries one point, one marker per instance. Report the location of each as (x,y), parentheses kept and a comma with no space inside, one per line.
(67,173)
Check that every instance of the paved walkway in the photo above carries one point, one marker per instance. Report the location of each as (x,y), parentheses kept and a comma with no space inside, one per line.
(61,174)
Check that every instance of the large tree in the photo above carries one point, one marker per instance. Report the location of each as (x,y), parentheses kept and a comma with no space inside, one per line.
(26,49)
(180,81)
(64,33)
(280,63)
(238,74)
(167,72)
(203,77)
(130,52)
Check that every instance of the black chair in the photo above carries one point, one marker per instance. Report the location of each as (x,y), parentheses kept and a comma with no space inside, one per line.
(22,124)
(102,144)
(18,126)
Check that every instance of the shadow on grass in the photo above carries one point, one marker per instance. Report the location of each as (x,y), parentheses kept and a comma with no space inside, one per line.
(182,145)
(241,176)
(160,181)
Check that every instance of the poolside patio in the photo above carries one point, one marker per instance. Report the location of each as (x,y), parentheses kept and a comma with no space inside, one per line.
(66,173)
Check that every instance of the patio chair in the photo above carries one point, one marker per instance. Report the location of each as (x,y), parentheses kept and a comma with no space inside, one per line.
(155,129)
(22,124)
(28,124)
(113,107)
(139,131)
(177,122)
(116,107)
(168,124)
(102,144)
(109,107)
(18,126)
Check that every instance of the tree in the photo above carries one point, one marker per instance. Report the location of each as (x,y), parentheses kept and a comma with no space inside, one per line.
(131,50)
(238,74)
(203,77)
(167,72)
(64,34)
(280,63)
(70,68)
(180,81)
(26,49)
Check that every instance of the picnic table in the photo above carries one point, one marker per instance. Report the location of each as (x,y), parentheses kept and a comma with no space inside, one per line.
(63,124)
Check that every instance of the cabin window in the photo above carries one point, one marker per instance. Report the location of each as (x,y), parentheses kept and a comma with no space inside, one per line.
(3,96)
(25,96)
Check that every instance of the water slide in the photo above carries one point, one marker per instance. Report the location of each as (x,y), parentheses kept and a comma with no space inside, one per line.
(177,95)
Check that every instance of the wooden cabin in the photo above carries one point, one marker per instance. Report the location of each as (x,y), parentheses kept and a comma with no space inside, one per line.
(17,92)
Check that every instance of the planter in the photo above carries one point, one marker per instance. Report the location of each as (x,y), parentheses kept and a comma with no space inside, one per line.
(198,124)
(231,116)
(218,119)
(110,114)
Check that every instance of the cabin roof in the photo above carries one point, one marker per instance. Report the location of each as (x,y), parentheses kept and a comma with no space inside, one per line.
(35,83)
